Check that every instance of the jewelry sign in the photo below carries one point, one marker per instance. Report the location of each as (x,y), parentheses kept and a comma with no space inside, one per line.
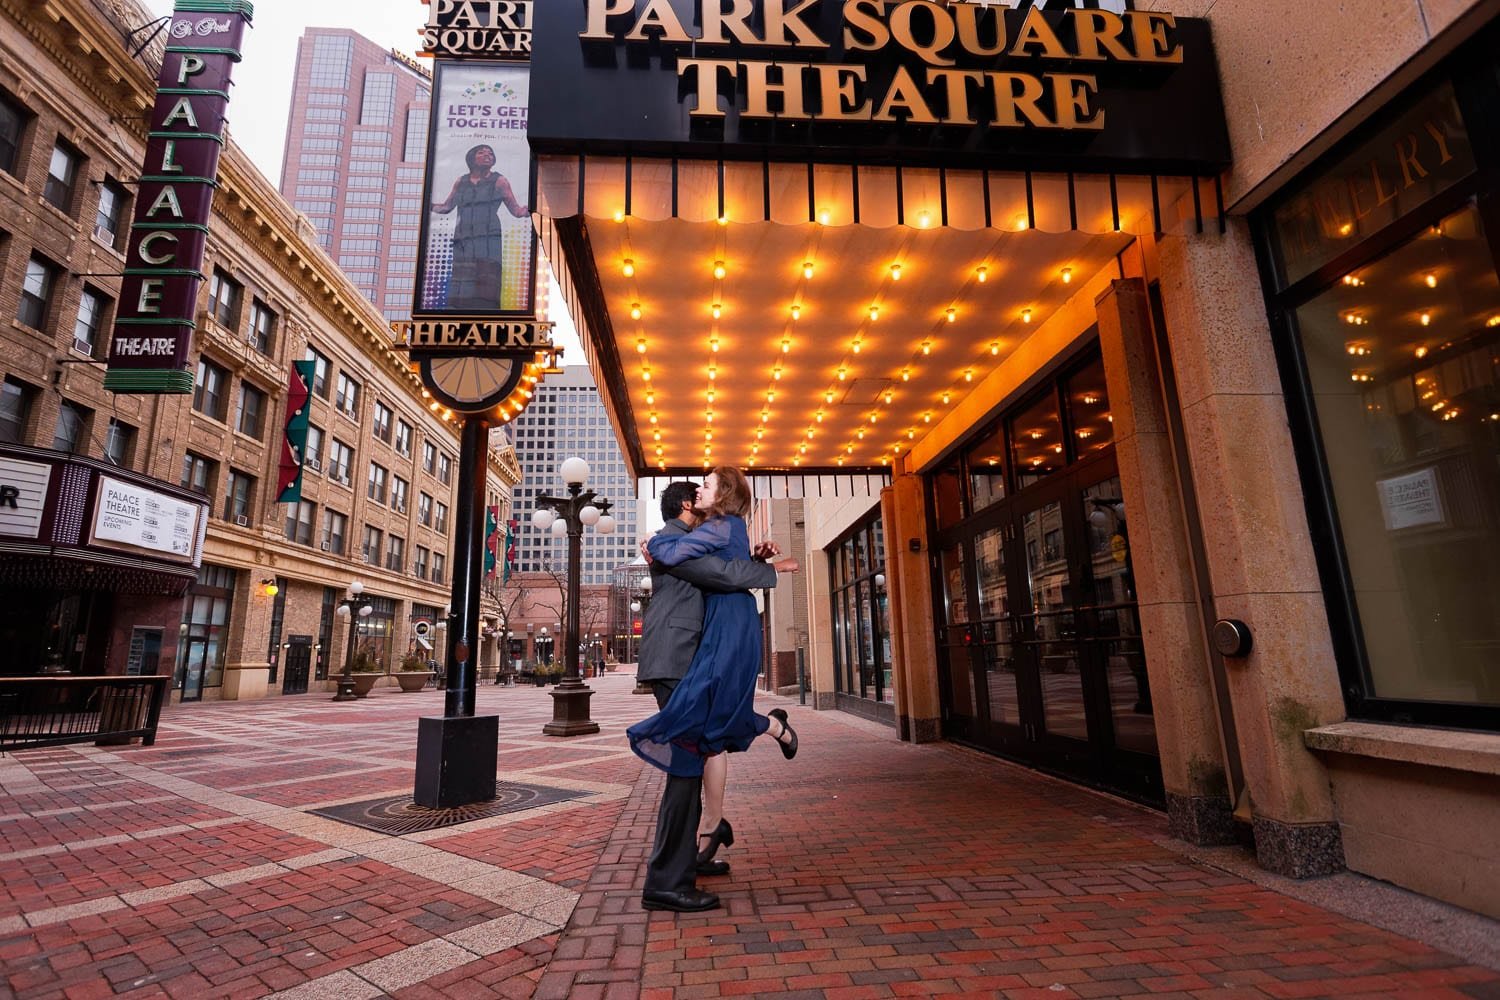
(149,349)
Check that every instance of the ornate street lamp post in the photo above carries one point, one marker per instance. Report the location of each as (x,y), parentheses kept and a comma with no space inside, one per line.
(641,604)
(570,699)
(354,609)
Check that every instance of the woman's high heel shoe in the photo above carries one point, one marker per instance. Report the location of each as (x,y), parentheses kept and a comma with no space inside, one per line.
(788,739)
(723,834)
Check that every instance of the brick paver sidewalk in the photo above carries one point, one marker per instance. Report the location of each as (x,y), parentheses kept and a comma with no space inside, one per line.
(864,868)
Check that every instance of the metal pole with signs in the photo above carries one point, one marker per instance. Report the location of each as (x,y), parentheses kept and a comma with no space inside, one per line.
(474,335)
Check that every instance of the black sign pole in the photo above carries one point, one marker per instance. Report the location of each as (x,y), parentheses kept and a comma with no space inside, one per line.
(457,752)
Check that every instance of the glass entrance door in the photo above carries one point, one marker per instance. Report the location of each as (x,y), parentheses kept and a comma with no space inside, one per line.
(1040,644)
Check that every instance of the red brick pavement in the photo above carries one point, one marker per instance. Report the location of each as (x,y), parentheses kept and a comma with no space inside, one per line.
(864,868)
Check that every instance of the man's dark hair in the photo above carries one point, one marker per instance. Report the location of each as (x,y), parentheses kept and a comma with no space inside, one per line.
(674,496)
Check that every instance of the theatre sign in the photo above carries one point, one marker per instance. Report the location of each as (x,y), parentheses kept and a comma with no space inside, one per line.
(150,347)
(913,81)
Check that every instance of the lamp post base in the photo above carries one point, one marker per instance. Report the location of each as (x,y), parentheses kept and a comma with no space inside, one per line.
(346,690)
(456,760)
(570,710)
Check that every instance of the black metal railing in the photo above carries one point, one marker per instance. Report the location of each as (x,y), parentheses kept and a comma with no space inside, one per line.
(51,711)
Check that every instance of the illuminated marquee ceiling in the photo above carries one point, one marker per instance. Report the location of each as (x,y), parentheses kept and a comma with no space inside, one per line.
(824,345)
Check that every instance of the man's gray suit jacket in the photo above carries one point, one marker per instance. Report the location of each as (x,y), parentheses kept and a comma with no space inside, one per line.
(673,622)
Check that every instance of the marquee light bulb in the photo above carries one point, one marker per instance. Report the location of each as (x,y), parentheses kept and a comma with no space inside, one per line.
(889,395)
(968,374)
(1025,315)
(716,309)
(1431,280)
(926,347)
(874,312)
(946,397)
(807,269)
(713,344)
(860,433)
(776,373)
(995,347)
(723,220)
(656,435)
(982,274)
(640,345)
(906,374)
(653,418)
(843,374)
(796,312)
(855,347)
(828,396)
(645,374)
(759,433)
(765,417)
(708,416)
(635,310)
(786,346)
(1427,319)
(820,416)
(713,372)
(710,395)
(927,417)
(1067,275)
(770,395)
(895,272)
(719,269)
(809,433)
(628,268)
(952,315)
(619,215)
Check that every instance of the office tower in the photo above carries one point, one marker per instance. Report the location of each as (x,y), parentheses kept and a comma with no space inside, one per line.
(565,419)
(356,147)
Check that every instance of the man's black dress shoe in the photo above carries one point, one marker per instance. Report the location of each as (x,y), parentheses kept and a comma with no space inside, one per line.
(690,901)
(713,868)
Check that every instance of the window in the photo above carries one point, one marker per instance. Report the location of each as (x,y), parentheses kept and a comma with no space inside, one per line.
(429,456)
(378,106)
(340,457)
(375,489)
(312,452)
(330,61)
(208,395)
(252,411)
(371,548)
(424,509)
(334,527)
(320,373)
(382,428)
(36,292)
(238,496)
(1387,315)
(419,563)
(119,442)
(395,553)
(299,522)
(347,396)
(197,473)
(440,518)
(262,333)
(416,135)
(72,427)
(439,563)
(445,468)
(62,176)
(12,123)
(403,438)
(224,299)
(109,217)
(92,307)
(398,494)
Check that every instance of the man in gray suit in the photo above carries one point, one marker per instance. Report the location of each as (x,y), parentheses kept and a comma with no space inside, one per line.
(670,631)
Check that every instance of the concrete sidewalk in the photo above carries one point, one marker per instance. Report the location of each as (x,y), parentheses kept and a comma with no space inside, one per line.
(864,868)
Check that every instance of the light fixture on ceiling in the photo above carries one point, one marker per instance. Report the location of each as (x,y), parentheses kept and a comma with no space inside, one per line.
(1426,319)
(1420,352)
(656,435)
(653,417)
(786,345)
(926,347)
(874,417)
(765,416)
(776,374)
(807,269)
(640,345)
(719,269)
(645,374)
(995,347)
(906,374)
(1430,279)
(650,398)
(713,344)
(809,433)
(952,315)
(843,374)
(1025,315)
(854,347)
(713,372)
(723,220)
(895,272)
(710,395)
(716,309)
(759,433)
(927,417)
(820,416)
(796,312)
(708,416)
(770,395)
(828,396)
(889,395)
(911,433)
(628,268)
(968,374)
(982,273)
(874,313)
(1067,275)
(619,215)
(860,433)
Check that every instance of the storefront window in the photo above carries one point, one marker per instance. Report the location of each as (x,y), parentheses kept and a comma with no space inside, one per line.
(1089,419)
(1037,440)
(205,632)
(1396,326)
(861,615)
(986,462)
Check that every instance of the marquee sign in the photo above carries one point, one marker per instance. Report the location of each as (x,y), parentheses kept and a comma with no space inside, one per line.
(911,81)
(494,29)
(149,349)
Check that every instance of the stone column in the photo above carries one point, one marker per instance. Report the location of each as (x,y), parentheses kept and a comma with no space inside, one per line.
(820,662)
(1257,541)
(247,672)
(1188,734)
(909,591)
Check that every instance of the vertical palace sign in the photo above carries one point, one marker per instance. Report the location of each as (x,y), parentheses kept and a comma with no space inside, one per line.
(149,350)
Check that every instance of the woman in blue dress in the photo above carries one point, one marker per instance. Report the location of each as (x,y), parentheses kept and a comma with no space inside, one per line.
(713,710)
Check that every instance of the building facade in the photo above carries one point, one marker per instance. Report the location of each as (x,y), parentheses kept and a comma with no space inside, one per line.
(566,418)
(356,152)
(1194,503)
(251,610)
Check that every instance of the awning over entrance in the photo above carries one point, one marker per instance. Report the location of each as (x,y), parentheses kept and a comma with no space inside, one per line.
(797,319)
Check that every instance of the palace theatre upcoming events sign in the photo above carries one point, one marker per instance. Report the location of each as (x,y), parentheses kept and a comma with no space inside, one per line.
(149,350)
(961,84)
